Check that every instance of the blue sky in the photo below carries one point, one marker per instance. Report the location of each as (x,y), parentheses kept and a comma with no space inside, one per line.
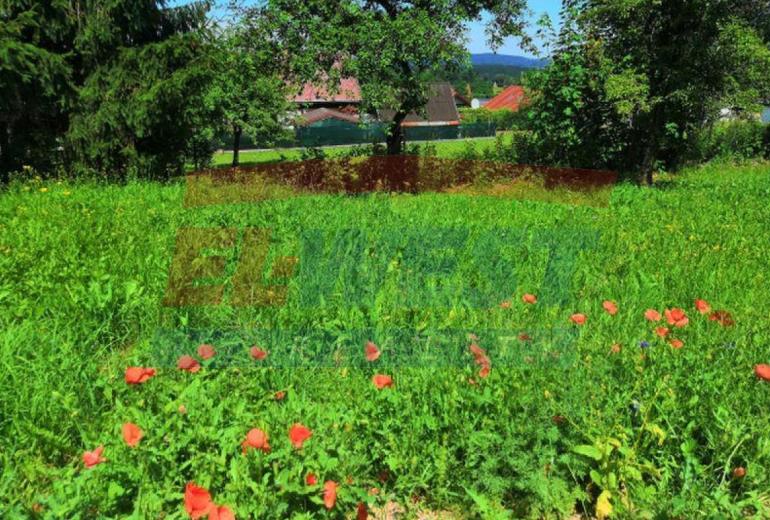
(477,39)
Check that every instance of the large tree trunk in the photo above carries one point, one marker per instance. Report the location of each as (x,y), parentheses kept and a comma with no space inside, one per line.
(395,137)
(648,164)
(237,132)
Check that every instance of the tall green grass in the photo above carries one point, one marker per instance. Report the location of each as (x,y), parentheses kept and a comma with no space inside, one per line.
(84,270)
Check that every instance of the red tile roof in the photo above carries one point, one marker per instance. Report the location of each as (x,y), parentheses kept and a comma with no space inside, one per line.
(510,98)
(348,92)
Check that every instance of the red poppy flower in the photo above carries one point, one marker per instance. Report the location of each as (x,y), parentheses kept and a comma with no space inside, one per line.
(615,348)
(257,353)
(677,343)
(371,351)
(477,351)
(361,512)
(652,315)
(138,375)
(481,359)
(611,307)
(739,472)
(524,337)
(505,304)
(762,371)
(558,420)
(578,319)
(298,434)
(311,479)
(132,434)
(702,306)
(661,331)
(221,513)
(206,351)
(724,318)
(676,317)
(330,494)
(256,439)
(197,501)
(92,458)
(382,381)
(188,363)
(529,298)
(279,395)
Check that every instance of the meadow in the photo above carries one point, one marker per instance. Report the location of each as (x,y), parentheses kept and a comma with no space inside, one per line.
(478,402)
(445,148)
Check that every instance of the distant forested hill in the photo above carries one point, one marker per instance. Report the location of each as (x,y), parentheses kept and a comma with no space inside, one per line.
(490,73)
(508,60)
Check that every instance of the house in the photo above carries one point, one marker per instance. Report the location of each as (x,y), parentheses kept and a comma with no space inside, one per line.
(346,98)
(334,116)
(460,100)
(324,116)
(511,98)
(441,109)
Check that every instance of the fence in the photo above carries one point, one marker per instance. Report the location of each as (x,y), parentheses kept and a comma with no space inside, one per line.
(333,132)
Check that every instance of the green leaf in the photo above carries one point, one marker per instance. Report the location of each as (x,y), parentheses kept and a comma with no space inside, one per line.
(589,451)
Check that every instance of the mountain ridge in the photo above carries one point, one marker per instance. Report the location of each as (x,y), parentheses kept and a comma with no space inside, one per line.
(490,58)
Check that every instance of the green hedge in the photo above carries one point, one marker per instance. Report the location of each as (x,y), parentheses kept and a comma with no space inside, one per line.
(503,119)
(332,132)
(733,140)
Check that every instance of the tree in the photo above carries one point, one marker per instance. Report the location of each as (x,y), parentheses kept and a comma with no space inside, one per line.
(635,81)
(35,80)
(108,86)
(393,47)
(248,91)
(147,68)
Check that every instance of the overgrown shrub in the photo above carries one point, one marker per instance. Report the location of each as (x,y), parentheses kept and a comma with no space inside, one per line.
(503,119)
(739,139)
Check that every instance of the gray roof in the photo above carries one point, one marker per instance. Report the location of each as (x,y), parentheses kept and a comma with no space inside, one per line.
(441,107)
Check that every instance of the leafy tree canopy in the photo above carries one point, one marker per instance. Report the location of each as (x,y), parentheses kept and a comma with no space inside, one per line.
(106,82)
(393,47)
(633,81)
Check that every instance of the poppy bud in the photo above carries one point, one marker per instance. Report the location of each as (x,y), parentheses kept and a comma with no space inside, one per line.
(762,372)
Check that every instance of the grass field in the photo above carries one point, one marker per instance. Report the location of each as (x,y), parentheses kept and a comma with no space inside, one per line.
(447,148)
(562,424)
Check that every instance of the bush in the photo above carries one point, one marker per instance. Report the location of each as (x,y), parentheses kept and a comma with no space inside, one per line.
(739,139)
(502,119)
(516,147)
